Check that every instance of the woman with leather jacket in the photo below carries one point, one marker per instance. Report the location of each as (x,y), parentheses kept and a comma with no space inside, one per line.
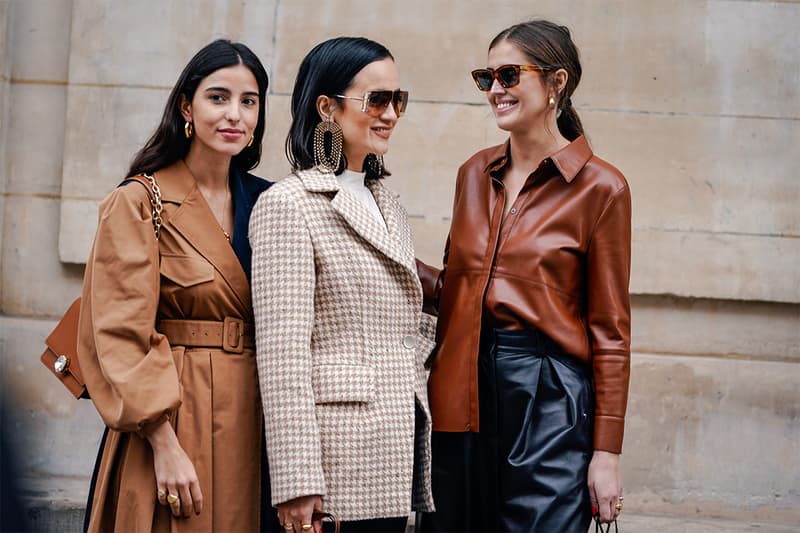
(529,387)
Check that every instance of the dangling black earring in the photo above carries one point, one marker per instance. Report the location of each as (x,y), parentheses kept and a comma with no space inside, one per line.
(375,165)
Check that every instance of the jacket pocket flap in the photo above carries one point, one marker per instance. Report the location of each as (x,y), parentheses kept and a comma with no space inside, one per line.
(186,270)
(343,383)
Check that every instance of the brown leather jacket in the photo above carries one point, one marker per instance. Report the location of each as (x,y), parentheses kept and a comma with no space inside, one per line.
(560,263)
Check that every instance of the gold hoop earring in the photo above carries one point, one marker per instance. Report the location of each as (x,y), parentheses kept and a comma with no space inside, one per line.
(328,161)
(188,130)
(252,138)
(552,102)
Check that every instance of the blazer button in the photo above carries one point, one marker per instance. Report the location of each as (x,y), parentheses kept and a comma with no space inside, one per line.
(410,341)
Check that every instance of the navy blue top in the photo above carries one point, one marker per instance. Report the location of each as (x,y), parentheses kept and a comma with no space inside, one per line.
(245,189)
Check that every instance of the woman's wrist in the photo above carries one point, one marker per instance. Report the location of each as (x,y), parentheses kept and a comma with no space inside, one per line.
(607,452)
(606,455)
(158,433)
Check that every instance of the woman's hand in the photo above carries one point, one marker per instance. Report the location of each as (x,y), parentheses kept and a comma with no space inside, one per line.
(175,473)
(295,515)
(605,484)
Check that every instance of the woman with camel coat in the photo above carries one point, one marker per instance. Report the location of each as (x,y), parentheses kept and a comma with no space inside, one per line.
(166,337)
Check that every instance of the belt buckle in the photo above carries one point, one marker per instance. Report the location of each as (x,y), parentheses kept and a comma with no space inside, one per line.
(233,334)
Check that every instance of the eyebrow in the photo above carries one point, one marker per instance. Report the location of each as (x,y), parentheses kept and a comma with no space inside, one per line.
(226,90)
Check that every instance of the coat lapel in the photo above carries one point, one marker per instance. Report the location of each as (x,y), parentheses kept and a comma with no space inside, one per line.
(387,240)
(400,235)
(194,220)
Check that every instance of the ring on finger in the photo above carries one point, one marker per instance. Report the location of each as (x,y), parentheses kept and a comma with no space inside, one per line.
(161,494)
(306,527)
(171,498)
(618,507)
(288,527)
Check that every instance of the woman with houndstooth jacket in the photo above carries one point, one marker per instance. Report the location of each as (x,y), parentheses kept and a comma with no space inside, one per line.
(338,305)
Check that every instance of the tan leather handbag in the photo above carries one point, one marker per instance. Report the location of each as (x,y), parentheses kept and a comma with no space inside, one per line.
(61,354)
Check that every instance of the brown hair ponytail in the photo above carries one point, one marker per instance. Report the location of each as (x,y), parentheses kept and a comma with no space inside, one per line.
(569,123)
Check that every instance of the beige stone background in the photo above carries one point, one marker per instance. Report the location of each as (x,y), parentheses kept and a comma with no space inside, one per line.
(696,101)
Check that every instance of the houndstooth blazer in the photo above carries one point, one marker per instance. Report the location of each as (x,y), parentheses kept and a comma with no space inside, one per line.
(338,309)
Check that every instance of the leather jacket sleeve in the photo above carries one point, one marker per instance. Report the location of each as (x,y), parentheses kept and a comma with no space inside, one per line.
(431,279)
(608,313)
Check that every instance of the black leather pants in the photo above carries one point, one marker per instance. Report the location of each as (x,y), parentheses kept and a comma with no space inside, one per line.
(527,468)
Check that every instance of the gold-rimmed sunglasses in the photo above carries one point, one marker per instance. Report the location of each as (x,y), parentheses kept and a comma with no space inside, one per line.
(374,103)
(506,75)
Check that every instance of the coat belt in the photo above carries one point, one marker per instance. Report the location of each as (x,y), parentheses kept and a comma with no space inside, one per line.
(232,334)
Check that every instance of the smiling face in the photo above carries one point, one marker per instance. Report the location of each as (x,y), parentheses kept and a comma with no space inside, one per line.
(525,105)
(223,111)
(364,134)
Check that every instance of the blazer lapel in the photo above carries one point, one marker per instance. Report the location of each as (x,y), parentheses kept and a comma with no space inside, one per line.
(358,217)
(194,220)
(400,236)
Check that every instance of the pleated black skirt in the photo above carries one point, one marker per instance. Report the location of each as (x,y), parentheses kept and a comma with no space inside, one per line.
(527,468)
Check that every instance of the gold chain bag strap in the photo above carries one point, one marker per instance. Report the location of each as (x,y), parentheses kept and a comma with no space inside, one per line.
(61,353)
(155,202)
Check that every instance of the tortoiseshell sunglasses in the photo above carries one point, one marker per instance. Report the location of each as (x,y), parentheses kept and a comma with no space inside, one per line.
(506,75)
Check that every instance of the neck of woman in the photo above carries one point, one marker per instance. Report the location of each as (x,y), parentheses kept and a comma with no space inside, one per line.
(209,169)
(531,146)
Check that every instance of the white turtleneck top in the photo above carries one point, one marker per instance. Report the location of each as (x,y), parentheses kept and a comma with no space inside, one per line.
(354,182)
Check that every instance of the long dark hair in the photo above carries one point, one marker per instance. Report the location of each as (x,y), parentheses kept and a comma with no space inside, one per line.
(328,69)
(169,144)
(550,46)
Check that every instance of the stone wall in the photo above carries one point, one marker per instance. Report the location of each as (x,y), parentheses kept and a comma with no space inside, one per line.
(697,102)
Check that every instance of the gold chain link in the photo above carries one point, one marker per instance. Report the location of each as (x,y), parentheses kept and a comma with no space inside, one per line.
(156,203)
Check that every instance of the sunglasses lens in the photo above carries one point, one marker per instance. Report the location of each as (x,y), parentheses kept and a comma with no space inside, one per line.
(508,76)
(400,102)
(483,79)
(377,101)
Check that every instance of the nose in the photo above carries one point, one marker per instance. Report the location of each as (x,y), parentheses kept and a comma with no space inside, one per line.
(390,113)
(232,114)
(496,88)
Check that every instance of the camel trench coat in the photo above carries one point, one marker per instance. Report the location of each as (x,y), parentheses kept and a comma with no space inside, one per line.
(338,309)
(137,377)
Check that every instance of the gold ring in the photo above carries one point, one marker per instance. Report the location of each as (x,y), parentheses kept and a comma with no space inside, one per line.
(618,507)
(161,494)
(306,527)
(288,527)
(171,498)
(621,498)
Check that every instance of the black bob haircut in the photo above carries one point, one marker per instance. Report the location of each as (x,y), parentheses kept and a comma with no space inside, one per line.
(328,69)
(169,144)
